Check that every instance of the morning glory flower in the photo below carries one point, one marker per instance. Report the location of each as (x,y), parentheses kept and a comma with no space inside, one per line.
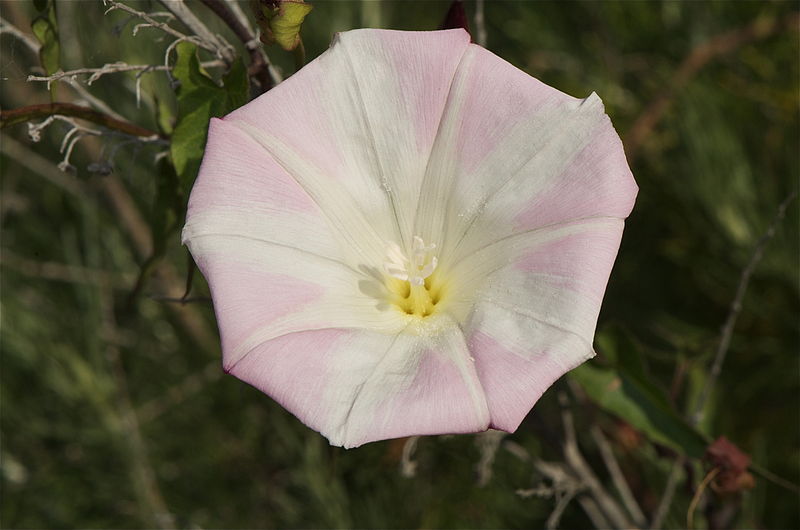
(409,236)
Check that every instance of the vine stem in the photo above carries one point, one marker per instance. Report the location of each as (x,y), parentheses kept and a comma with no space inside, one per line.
(736,307)
(721,354)
(259,65)
(43,110)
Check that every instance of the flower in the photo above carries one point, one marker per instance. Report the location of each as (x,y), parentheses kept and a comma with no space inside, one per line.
(409,236)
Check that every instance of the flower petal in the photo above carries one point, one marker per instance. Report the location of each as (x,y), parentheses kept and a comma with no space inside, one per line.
(355,128)
(534,319)
(359,386)
(539,157)
(267,251)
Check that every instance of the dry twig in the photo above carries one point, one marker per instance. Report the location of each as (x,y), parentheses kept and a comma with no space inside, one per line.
(408,466)
(581,468)
(45,110)
(166,28)
(618,479)
(488,442)
(736,307)
(27,40)
(721,354)
(260,67)
(182,12)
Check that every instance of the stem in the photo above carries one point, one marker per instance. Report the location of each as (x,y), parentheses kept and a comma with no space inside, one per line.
(617,477)
(696,499)
(259,67)
(34,112)
(722,352)
(736,308)
(669,493)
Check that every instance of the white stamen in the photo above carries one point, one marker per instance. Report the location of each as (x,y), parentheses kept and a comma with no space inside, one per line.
(415,268)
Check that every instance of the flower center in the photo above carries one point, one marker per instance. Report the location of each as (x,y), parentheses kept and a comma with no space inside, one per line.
(411,280)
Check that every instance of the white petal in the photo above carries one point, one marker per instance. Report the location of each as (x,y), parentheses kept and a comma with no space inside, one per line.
(355,128)
(356,386)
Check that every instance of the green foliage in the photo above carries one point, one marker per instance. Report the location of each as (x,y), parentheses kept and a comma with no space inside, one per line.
(281,20)
(45,28)
(199,100)
(626,391)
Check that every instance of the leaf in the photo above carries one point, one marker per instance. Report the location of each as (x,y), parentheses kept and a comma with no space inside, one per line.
(200,99)
(237,85)
(280,21)
(641,406)
(45,28)
(626,390)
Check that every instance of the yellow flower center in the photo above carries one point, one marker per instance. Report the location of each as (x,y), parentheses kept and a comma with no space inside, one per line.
(412,281)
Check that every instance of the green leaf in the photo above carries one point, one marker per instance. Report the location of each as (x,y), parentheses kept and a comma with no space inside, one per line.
(237,85)
(640,405)
(45,28)
(627,391)
(200,99)
(280,21)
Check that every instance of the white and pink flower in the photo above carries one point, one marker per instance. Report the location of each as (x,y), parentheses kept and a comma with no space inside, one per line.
(408,236)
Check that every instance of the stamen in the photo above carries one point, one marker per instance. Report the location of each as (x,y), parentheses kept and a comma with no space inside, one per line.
(413,269)
(418,292)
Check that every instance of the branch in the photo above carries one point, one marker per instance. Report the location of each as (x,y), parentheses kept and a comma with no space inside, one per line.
(259,64)
(185,15)
(408,466)
(97,73)
(580,467)
(33,112)
(488,443)
(721,354)
(701,55)
(166,28)
(30,42)
(617,477)
(669,493)
(736,307)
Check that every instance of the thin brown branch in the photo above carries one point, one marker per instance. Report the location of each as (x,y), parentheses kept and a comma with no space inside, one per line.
(736,307)
(35,112)
(697,495)
(259,67)
(166,28)
(669,492)
(721,354)
(617,477)
(699,57)
(580,467)
(182,12)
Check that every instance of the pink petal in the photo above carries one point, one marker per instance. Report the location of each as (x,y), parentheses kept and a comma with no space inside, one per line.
(535,318)
(356,125)
(356,386)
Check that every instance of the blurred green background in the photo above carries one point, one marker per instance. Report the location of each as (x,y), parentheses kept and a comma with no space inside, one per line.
(121,418)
